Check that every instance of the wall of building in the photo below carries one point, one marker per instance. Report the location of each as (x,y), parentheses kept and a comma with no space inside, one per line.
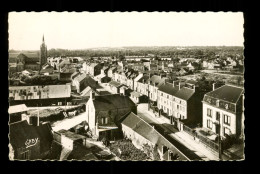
(232,125)
(66,142)
(136,139)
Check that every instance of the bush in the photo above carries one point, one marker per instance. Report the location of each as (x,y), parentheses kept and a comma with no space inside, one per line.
(125,150)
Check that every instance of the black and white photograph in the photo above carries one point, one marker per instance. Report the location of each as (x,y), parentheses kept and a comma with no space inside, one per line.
(126,86)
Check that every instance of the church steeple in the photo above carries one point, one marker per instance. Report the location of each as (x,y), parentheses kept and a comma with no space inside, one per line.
(43,53)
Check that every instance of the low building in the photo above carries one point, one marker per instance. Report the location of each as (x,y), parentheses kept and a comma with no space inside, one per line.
(28,142)
(137,97)
(141,133)
(115,86)
(17,112)
(105,113)
(70,146)
(223,110)
(42,95)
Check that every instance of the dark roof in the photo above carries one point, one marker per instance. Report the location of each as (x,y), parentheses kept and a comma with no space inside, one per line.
(227,93)
(115,84)
(113,101)
(168,88)
(21,131)
(71,135)
(184,93)
(145,78)
(80,152)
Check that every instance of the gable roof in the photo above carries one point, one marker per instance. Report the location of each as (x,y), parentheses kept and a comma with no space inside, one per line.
(80,77)
(144,78)
(184,93)
(113,101)
(227,93)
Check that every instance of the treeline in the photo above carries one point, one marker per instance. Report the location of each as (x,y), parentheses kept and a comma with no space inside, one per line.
(185,52)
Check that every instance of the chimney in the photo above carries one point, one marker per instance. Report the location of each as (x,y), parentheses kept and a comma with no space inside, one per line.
(179,85)
(194,87)
(213,86)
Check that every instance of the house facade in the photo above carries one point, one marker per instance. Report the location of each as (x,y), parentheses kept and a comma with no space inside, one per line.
(223,110)
(105,113)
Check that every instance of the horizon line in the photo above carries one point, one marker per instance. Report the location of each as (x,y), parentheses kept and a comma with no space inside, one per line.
(130,47)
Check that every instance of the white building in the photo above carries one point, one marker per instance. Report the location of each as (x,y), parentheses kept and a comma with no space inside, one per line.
(223,110)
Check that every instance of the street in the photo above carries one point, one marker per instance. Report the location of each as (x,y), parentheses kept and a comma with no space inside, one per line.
(178,138)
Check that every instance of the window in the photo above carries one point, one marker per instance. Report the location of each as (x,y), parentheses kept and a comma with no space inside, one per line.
(217,116)
(161,94)
(209,112)
(226,131)
(25,155)
(209,124)
(167,96)
(177,107)
(227,119)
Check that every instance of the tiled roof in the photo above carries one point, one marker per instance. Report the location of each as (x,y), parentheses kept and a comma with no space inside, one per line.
(144,129)
(184,93)
(227,93)
(113,101)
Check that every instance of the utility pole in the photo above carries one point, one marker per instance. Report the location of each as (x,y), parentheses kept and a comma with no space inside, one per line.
(38,116)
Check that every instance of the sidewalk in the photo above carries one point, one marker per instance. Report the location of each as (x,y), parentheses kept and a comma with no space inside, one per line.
(184,138)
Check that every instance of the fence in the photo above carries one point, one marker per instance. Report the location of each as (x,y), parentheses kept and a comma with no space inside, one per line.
(214,146)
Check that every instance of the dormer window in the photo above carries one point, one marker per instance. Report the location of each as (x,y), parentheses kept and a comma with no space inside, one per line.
(226,106)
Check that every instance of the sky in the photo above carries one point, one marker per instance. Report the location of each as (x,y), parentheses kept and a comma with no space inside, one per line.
(105,29)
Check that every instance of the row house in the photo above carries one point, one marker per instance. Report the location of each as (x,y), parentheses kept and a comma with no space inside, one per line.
(116,75)
(180,103)
(79,82)
(223,110)
(104,70)
(111,72)
(94,69)
(154,83)
(131,78)
(142,84)
(136,80)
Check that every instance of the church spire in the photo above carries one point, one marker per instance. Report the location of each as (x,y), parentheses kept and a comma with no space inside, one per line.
(43,38)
